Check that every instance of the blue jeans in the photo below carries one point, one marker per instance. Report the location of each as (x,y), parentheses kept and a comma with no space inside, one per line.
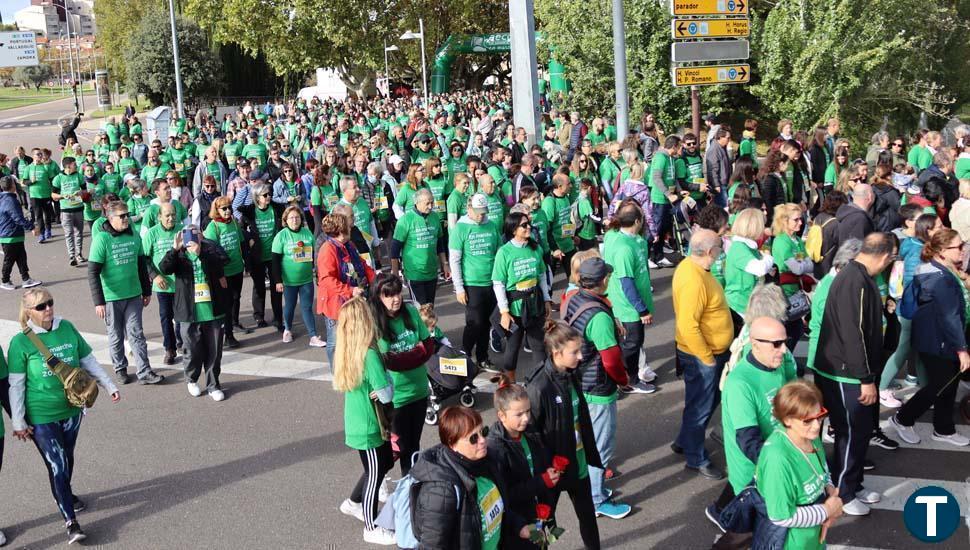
(603,419)
(331,339)
(701,397)
(305,294)
(171,338)
(55,441)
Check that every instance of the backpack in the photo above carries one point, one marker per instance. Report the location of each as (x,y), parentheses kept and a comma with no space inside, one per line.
(813,243)
(574,217)
(910,302)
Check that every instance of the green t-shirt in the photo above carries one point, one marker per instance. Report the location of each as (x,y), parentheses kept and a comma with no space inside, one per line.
(501,177)
(4,371)
(783,248)
(492,509)
(202,291)
(266,228)
(524,441)
(296,247)
(601,331)
(478,244)
(556,210)
(749,148)
(452,166)
(787,478)
(595,139)
(151,173)
(585,208)
(119,259)
(137,205)
(361,429)
(363,218)
(44,400)
(230,237)
(68,186)
(457,203)
(582,467)
(257,150)
(150,217)
(232,151)
(420,236)
(628,256)
(664,165)
(519,268)
(40,176)
(440,188)
(323,197)
(540,230)
(155,243)
(405,196)
(745,403)
(412,385)
(962,168)
(609,169)
(496,206)
(819,297)
(738,283)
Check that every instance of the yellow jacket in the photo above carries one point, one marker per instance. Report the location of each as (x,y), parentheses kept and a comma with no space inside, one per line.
(703,321)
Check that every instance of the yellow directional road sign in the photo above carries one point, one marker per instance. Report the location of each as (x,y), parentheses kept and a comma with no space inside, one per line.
(711,74)
(709,28)
(708,7)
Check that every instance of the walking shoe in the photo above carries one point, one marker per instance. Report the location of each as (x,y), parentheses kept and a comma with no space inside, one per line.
(169,358)
(30,283)
(194,389)
(868,465)
(7,286)
(81,259)
(888,399)
(122,377)
(74,532)
(79,505)
(352,509)
(646,373)
(828,436)
(952,439)
(382,492)
(906,433)
(668,249)
(217,395)
(855,508)
(317,342)
(664,262)
(231,342)
(151,379)
(3,538)
(677,449)
(526,347)
(495,341)
(910,380)
(652,265)
(260,323)
(486,365)
(709,471)
(879,439)
(287,337)
(714,516)
(73,262)
(639,387)
(868,497)
(380,536)
(613,510)
(41,240)
(244,328)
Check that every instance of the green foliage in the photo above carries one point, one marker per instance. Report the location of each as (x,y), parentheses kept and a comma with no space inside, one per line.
(151,67)
(34,76)
(117,21)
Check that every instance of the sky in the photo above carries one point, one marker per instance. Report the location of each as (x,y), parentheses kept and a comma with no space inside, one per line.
(8,7)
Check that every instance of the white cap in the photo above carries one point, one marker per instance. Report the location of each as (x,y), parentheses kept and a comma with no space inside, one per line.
(479,202)
(395,159)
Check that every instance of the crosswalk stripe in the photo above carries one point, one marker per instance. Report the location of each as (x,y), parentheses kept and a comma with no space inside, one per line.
(895,490)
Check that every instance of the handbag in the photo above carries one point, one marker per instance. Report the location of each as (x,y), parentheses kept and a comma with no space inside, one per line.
(80,388)
(799,305)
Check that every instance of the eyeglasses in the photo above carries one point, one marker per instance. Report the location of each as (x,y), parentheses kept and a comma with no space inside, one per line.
(473,438)
(958,247)
(774,343)
(525,225)
(123,215)
(820,416)
(44,305)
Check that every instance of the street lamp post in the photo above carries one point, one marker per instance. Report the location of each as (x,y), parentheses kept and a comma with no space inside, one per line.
(175,55)
(424,69)
(387,70)
(78,105)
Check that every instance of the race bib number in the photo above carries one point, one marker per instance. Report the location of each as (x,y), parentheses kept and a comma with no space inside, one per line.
(302,255)
(382,203)
(568,229)
(179,166)
(492,508)
(202,293)
(527,284)
(439,206)
(454,367)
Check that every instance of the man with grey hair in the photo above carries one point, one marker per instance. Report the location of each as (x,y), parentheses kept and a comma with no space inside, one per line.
(854,219)
(529,163)
(941,172)
(880,143)
(703,333)
(420,245)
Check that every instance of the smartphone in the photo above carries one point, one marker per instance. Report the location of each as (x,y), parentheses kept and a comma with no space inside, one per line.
(188,236)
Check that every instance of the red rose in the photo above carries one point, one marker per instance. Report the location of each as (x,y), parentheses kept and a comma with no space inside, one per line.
(299,244)
(560,463)
(543,511)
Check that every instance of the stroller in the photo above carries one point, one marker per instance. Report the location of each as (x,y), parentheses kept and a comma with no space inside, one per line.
(447,379)
(684,216)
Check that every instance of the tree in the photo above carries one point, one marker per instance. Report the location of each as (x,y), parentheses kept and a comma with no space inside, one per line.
(34,76)
(117,20)
(151,67)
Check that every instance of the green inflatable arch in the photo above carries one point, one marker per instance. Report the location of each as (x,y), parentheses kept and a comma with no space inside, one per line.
(456,45)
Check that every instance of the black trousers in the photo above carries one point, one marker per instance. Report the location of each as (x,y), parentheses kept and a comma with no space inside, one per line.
(630,347)
(587,244)
(939,372)
(481,304)
(423,292)
(259,273)
(514,340)
(738,322)
(43,213)
(853,425)
(581,494)
(235,283)
(566,261)
(407,424)
(14,253)
(203,347)
(377,462)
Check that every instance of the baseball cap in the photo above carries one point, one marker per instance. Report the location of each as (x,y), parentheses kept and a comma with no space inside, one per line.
(594,270)
(395,159)
(479,202)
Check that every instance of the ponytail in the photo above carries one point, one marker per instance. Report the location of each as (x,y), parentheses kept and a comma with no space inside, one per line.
(508,392)
(558,334)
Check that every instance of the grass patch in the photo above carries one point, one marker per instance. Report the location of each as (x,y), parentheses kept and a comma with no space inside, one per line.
(11,98)
(113,111)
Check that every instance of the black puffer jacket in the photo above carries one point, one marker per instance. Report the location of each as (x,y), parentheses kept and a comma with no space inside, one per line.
(213,258)
(525,487)
(885,209)
(854,223)
(773,193)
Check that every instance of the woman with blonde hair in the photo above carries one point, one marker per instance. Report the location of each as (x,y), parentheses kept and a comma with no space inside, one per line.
(359,373)
(745,265)
(38,405)
(405,195)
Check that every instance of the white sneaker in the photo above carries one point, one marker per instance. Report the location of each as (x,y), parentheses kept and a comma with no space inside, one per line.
(217,395)
(3,538)
(30,283)
(954,439)
(7,286)
(316,342)
(352,509)
(855,508)
(664,262)
(888,399)
(381,536)
(194,389)
(868,497)
(287,337)
(646,374)
(906,433)
(652,265)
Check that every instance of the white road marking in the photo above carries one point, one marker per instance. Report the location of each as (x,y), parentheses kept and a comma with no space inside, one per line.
(896,490)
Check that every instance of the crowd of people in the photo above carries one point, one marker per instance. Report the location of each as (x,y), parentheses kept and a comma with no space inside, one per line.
(359,212)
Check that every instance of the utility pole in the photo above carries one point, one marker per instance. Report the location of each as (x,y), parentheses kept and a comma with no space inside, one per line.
(619,71)
(525,87)
(175,55)
(695,111)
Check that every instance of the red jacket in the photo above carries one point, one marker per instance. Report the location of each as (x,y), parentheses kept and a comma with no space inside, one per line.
(333,285)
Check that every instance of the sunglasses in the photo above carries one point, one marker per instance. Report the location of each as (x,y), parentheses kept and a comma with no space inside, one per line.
(525,225)
(689,144)
(958,247)
(897,144)
(473,438)
(263,195)
(123,216)
(225,208)
(774,343)
(44,305)
(820,416)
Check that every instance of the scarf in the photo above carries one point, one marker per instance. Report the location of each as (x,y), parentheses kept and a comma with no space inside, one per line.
(348,252)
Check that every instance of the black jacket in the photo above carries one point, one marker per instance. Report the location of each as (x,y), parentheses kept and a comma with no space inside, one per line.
(718,166)
(444,501)
(94,270)
(773,193)
(885,209)
(818,163)
(951,190)
(526,487)
(830,243)
(853,315)
(854,223)
(213,258)
(247,214)
(552,417)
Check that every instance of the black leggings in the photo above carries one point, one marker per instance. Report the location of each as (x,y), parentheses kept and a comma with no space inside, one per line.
(259,274)
(582,496)
(377,462)
(481,304)
(514,340)
(235,283)
(423,292)
(43,212)
(407,424)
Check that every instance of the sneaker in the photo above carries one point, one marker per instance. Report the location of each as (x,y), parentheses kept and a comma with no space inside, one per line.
(526,347)
(488,366)
(664,262)
(879,439)
(906,433)
(613,510)
(888,399)
(169,358)
(151,379)
(74,532)
(855,508)
(495,341)
(79,505)
(260,323)
(217,395)
(7,286)
(868,465)
(352,509)
(287,337)
(231,342)
(122,377)
(381,536)
(652,264)
(953,439)
(194,389)
(317,342)
(3,538)
(30,283)
(73,262)
(646,374)
(639,387)
(910,381)
(668,249)
(714,517)
(81,259)
(868,497)
(828,436)
(42,239)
